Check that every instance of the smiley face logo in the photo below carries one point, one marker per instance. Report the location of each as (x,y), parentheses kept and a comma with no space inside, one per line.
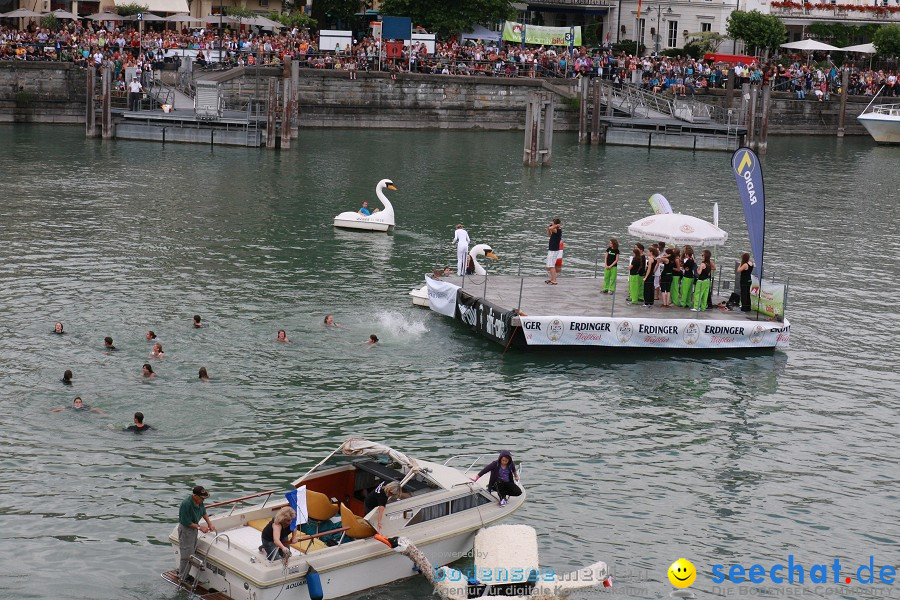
(682,573)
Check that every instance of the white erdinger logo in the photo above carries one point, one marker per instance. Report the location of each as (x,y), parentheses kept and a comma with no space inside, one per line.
(691,334)
(555,330)
(624,331)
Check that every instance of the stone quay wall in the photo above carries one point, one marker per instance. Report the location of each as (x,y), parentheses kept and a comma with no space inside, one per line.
(38,92)
(55,93)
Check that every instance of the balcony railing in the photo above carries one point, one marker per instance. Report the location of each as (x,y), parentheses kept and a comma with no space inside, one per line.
(842,12)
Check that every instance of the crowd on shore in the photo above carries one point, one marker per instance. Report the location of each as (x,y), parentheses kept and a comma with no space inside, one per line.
(87,43)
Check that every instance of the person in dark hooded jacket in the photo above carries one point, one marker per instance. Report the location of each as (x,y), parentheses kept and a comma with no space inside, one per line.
(503,477)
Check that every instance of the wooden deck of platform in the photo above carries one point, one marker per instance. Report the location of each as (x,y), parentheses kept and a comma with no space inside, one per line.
(199,591)
(580,297)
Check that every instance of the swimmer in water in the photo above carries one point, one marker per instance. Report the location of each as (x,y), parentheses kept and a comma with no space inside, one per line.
(281,336)
(157,351)
(204,376)
(67,377)
(151,336)
(108,343)
(147,371)
(329,321)
(373,339)
(78,404)
(58,328)
(197,323)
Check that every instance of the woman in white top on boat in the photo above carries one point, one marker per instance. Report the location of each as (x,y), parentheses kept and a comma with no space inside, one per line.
(461,239)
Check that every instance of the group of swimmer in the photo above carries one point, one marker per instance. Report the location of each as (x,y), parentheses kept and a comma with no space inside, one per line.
(157,352)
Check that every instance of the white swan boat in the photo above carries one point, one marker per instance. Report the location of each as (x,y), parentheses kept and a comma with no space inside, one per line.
(420,295)
(441,516)
(381,220)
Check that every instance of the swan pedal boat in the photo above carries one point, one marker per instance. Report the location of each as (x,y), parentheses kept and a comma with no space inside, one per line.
(420,295)
(383,220)
(442,515)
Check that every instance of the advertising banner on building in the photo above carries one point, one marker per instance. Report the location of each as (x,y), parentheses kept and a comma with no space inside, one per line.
(487,319)
(769,300)
(540,35)
(441,296)
(654,333)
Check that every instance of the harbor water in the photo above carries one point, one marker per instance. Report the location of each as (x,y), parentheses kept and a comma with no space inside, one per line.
(629,458)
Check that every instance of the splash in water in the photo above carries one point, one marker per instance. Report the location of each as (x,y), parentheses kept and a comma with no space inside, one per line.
(399,325)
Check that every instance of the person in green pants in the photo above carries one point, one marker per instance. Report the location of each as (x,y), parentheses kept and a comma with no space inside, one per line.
(612,267)
(704,270)
(688,273)
(635,279)
(675,257)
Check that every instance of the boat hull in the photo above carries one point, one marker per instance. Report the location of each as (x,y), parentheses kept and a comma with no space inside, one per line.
(420,297)
(380,221)
(884,128)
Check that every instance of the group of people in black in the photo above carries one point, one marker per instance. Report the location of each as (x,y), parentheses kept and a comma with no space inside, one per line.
(672,275)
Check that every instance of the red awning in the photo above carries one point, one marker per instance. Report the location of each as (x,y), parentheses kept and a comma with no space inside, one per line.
(730,58)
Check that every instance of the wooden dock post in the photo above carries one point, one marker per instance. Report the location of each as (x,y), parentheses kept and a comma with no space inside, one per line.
(106,102)
(532,130)
(763,145)
(745,104)
(271,106)
(295,99)
(845,83)
(90,116)
(547,149)
(751,117)
(595,114)
(582,111)
(729,90)
(286,116)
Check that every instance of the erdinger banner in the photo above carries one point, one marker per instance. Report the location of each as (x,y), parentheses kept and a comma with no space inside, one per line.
(541,35)
(484,317)
(653,333)
(441,296)
(748,174)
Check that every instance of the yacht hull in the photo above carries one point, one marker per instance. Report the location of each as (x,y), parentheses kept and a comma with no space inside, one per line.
(884,128)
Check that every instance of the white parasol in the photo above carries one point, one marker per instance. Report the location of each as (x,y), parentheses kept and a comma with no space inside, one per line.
(864,48)
(810,46)
(678,229)
(21,13)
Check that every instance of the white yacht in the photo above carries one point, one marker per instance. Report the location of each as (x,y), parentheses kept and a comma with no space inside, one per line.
(882,121)
(441,516)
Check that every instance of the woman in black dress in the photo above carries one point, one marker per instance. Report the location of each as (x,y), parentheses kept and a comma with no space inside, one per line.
(744,271)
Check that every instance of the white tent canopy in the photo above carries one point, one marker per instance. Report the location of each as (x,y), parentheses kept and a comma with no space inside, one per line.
(62,14)
(106,16)
(864,48)
(809,46)
(481,33)
(182,18)
(678,229)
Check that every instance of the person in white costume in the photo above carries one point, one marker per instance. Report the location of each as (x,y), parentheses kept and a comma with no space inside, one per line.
(461,239)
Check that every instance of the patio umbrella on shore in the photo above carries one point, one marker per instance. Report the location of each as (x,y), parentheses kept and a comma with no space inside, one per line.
(183,18)
(21,13)
(678,229)
(61,14)
(106,16)
(810,46)
(266,23)
(147,16)
(864,48)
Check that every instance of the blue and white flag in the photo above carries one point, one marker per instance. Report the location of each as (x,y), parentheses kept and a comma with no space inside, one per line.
(297,500)
(748,174)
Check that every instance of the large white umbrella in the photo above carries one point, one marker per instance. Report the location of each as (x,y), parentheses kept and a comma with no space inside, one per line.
(147,16)
(266,23)
(678,229)
(809,46)
(217,18)
(184,19)
(864,48)
(21,13)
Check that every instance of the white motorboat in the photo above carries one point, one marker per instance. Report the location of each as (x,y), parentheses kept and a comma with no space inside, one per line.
(380,220)
(420,295)
(441,516)
(882,121)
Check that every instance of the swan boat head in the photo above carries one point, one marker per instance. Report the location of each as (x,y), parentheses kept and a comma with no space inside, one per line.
(481,250)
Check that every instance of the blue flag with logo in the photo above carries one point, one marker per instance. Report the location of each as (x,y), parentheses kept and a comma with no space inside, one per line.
(748,174)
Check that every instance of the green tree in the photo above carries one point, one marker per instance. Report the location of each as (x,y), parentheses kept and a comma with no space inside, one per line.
(294,19)
(755,29)
(331,13)
(126,10)
(446,18)
(887,41)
